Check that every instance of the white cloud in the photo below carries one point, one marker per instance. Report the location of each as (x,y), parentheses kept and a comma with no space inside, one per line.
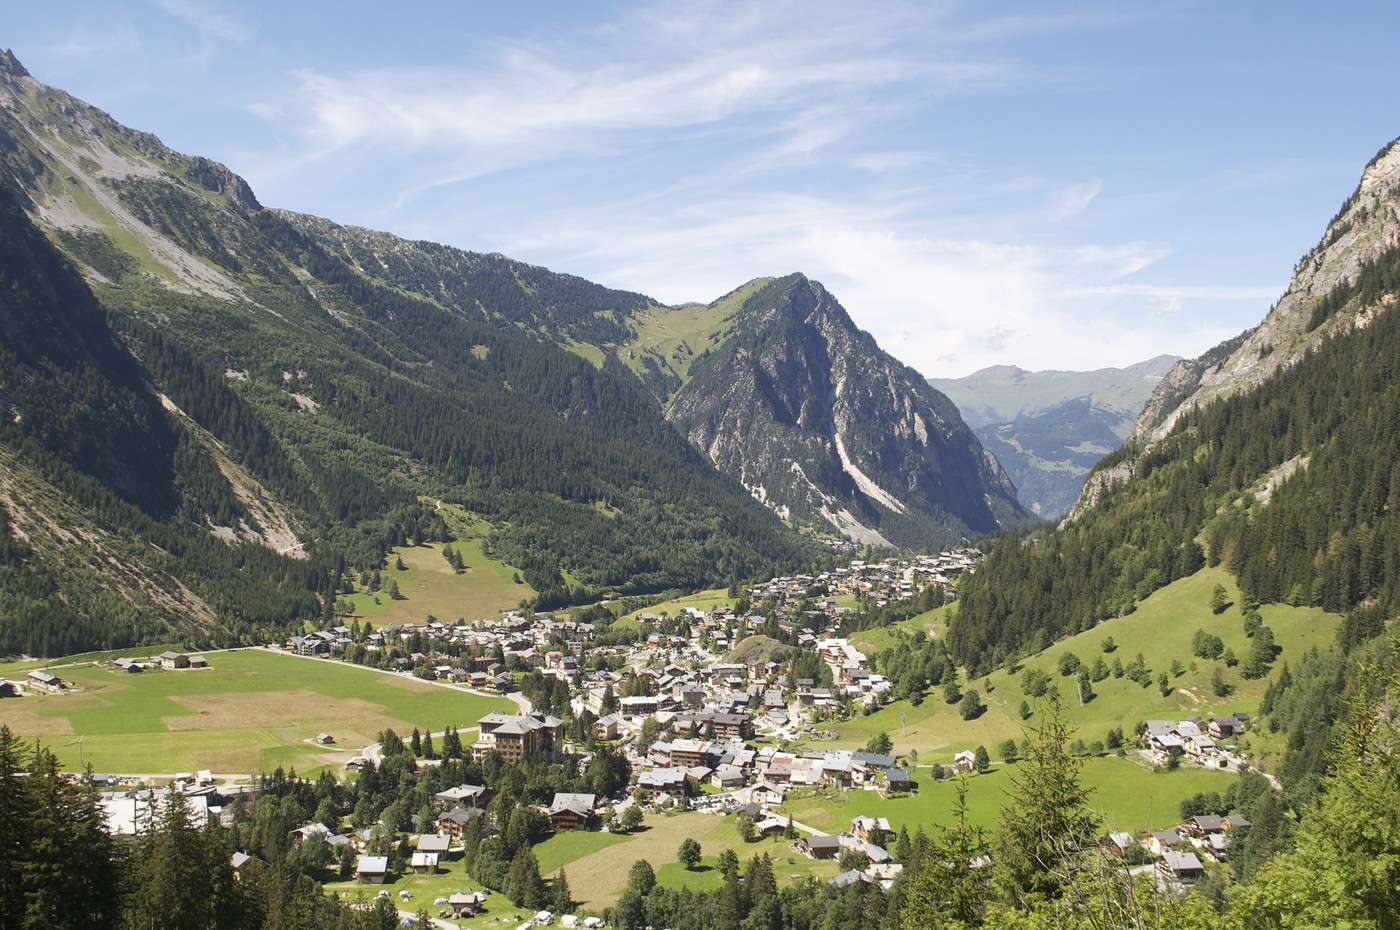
(1075,199)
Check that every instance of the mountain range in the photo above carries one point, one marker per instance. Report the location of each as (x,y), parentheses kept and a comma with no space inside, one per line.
(1050,428)
(218,412)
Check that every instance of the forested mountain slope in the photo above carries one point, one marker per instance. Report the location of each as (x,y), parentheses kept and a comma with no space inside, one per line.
(816,420)
(1049,428)
(299,389)
(1290,478)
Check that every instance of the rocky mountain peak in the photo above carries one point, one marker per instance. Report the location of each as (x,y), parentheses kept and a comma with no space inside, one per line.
(10,65)
(805,410)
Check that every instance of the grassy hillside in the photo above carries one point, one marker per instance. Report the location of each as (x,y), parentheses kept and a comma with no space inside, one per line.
(930,623)
(428,585)
(704,600)
(1161,629)
(1124,792)
(250,710)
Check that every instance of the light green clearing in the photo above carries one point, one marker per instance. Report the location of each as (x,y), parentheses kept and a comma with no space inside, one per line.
(704,600)
(1126,794)
(428,585)
(251,710)
(1161,629)
(930,623)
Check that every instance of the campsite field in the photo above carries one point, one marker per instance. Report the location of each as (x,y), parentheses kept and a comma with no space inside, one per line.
(250,710)
(1161,629)
(658,843)
(1125,793)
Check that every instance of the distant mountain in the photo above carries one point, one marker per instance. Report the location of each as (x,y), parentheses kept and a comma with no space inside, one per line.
(1049,428)
(817,421)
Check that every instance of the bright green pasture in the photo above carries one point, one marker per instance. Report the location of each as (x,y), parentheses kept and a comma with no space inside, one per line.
(251,710)
(1127,794)
(428,585)
(1161,629)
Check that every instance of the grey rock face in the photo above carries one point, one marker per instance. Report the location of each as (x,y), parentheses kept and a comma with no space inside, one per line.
(826,428)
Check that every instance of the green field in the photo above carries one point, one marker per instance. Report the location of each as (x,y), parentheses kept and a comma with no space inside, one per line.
(704,600)
(428,585)
(563,848)
(1127,794)
(1161,629)
(250,710)
(930,623)
(606,866)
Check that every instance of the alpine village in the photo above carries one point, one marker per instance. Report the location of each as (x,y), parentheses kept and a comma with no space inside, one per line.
(354,581)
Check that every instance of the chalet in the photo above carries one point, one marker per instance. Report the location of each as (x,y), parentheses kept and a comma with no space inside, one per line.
(44,681)
(198,662)
(897,779)
(1179,867)
(871,829)
(8,688)
(453,822)
(1163,841)
(770,826)
(964,761)
(173,660)
(310,831)
(569,811)
(423,863)
(371,870)
(1232,822)
(461,904)
(239,862)
(607,727)
(1121,842)
(436,843)
(850,877)
(666,781)
(1225,727)
(727,776)
(819,847)
(1202,825)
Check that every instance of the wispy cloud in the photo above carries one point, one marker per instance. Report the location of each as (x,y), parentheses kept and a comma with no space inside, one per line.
(1075,199)
(120,41)
(214,24)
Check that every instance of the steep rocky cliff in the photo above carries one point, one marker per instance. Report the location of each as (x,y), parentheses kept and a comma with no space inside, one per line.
(1338,286)
(1365,228)
(809,414)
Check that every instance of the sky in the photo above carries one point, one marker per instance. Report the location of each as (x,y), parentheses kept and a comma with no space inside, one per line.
(1046,185)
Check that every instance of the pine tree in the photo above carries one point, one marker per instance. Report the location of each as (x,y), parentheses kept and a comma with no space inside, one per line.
(560,896)
(1046,819)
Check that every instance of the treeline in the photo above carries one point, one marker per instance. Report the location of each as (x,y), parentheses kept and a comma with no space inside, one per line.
(1329,536)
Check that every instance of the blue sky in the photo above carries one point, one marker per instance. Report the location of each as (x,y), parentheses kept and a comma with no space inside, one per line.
(1040,184)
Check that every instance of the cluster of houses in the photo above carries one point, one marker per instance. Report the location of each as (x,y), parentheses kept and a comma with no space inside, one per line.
(1180,851)
(1200,741)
